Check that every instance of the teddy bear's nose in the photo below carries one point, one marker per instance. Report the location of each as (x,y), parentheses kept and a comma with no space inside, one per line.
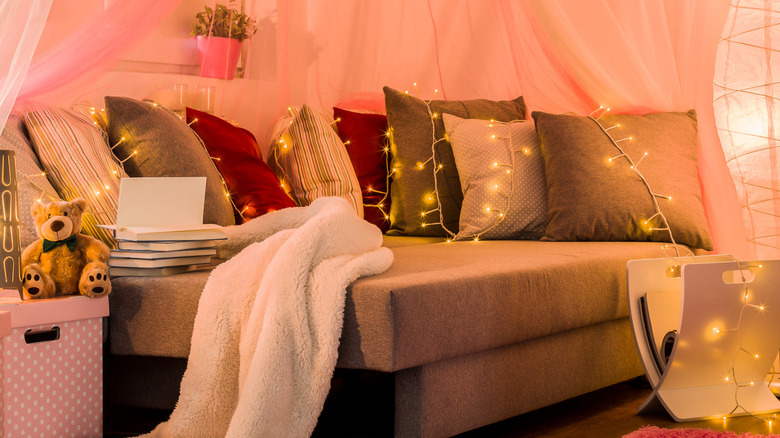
(57,225)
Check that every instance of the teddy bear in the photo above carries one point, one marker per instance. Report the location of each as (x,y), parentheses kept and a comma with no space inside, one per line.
(64,261)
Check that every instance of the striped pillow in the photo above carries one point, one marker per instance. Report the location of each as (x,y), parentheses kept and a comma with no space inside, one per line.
(311,161)
(75,154)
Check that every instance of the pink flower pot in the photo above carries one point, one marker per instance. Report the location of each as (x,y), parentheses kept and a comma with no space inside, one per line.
(218,56)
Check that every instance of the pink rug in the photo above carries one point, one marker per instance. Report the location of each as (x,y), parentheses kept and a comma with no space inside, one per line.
(657,432)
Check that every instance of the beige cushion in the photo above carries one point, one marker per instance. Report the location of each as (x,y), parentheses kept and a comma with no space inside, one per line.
(436,301)
(78,161)
(593,198)
(502,176)
(310,159)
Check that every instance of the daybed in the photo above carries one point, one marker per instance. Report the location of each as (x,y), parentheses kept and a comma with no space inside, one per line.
(473,332)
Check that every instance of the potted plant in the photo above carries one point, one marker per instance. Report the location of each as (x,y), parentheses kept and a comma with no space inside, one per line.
(220,33)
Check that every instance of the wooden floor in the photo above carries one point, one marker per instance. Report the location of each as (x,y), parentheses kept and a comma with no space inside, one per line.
(610,412)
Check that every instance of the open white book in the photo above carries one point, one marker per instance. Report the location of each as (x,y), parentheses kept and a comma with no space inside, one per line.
(163,209)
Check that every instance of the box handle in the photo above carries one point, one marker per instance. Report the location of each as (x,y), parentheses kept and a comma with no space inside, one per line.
(34,336)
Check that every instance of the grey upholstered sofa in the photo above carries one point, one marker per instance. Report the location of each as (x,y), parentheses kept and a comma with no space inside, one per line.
(473,332)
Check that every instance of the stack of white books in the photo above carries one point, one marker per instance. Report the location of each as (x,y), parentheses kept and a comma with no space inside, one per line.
(159,229)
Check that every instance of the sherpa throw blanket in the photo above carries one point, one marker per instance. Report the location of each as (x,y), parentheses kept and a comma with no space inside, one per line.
(266,335)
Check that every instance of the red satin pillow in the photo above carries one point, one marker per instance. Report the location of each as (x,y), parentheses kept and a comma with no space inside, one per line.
(253,186)
(364,137)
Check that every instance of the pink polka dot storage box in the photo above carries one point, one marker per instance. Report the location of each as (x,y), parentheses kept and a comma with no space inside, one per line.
(51,362)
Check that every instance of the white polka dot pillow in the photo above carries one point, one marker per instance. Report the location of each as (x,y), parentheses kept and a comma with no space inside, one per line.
(502,177)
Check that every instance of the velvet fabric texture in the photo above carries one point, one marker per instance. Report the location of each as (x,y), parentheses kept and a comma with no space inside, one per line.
(254,188)
(412,134)
(364,136)
(593,192)
(165,146)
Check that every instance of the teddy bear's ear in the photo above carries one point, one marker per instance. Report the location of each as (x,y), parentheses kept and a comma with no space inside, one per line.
(79,204)
(37,208)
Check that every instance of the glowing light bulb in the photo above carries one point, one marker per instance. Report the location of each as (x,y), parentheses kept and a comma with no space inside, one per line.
(440,166)
(508,171)
(717,330)
(495,164)
(755,356)
(106,187)
(476,239)
(386,149)
(760,307)
(493,136)
(449,240)
(38,200)
(727,379)
(387,217)
(487,209)
(369,189)
(760,266)
(97,193)
(435,115)
(420,165)
(422,214)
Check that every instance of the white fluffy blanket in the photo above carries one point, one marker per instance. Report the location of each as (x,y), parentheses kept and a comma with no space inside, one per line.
(267,331)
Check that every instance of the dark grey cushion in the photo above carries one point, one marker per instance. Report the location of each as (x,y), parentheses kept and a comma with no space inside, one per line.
(166,147)
(31,184)
(593,198)
(411,140)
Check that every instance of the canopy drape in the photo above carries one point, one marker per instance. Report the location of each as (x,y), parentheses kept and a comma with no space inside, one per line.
(561,55)
(21,23)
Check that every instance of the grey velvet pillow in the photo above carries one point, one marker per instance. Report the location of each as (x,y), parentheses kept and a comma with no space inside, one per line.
(502,177)
(594,194)
(31,184)
(166,147)
(412,137)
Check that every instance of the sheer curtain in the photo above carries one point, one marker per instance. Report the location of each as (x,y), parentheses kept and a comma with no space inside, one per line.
(653,56)
(561,55)
(90,50)
(21,24)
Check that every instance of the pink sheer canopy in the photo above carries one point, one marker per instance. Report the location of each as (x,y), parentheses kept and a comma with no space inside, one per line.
(561,55)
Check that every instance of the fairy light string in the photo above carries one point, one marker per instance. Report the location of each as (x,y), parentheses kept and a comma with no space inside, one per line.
(379,205)
(502,131)
(658,222)
(731,375)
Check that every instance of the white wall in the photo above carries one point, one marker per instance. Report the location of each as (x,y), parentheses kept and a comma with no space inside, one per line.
(168,56)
